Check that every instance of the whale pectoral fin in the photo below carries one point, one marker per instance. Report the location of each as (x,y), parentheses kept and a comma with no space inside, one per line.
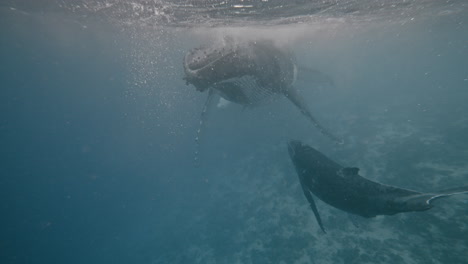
(294,97)
(309,197)
(203,118)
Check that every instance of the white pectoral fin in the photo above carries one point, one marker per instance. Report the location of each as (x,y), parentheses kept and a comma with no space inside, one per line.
(201,126)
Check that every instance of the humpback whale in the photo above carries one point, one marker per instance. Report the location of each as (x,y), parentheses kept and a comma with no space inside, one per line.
(246,73)
(343,187)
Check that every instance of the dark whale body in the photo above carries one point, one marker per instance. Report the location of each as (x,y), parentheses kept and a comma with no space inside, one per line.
(345,189)
(246,73)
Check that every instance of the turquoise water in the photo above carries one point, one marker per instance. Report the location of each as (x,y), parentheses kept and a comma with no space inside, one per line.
(97,134)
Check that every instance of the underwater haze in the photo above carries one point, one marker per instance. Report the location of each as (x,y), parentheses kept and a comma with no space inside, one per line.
(98,127)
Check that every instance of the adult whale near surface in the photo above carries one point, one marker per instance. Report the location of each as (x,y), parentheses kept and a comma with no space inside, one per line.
(247,73)
(345,189)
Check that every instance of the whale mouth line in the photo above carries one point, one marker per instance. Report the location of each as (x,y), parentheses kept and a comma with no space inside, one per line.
(194,68)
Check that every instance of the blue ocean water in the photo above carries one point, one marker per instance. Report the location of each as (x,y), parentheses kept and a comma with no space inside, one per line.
(97,133)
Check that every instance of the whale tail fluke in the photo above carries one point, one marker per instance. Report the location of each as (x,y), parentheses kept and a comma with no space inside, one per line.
(424,201)
(448,192)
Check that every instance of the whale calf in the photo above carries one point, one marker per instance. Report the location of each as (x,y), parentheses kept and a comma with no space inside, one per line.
(345,189)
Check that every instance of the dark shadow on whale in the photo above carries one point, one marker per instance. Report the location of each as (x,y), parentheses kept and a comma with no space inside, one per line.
(247,73)
(345,189)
